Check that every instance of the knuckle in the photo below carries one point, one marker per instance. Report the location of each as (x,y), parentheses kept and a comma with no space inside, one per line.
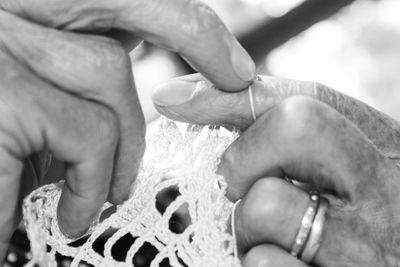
(95,52)
(115,53)
(107,128)
(108,53)
(115,63)
(259,256)
(263,202)
(297,108)
(299,116)
(206,19)
(105,58)
(228,159)
(201,20)
(229,163)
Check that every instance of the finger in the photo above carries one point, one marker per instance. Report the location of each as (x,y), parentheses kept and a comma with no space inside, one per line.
(10,170)
(272,211)
(36,116)
(194,99)
(94,68)
(32,176)
(129,41)
(188,27)
(308,141)
(186,98)
(269,213)
(270,256)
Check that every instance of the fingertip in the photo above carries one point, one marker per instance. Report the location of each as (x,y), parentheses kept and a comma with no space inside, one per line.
(118,196)
(234,73)
(173,93)
(181,98)
(233,195)
(258,256)
(242,63)
(234,190)
(267,255)
(82,197)
(194,99)
(229,67)
(212,49)
(74,216)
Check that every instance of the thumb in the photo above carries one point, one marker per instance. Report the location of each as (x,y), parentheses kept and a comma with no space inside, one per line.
(193,99)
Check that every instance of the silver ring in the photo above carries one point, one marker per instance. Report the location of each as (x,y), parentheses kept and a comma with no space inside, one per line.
(306,225)
(315,239)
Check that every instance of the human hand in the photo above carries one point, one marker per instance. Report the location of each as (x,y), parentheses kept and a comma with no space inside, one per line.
(306,140)
(233,109)
(97,70)
(188,27)
(55,95)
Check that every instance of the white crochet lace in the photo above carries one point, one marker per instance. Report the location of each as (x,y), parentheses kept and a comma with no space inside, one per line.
(186,161)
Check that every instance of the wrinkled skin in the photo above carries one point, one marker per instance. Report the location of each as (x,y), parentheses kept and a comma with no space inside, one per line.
(67,89)
(313,134)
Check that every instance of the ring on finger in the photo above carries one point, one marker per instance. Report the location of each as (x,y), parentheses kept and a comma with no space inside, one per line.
(315,237)
(305,226)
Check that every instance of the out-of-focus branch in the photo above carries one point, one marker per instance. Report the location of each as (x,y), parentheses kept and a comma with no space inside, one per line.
(273,33)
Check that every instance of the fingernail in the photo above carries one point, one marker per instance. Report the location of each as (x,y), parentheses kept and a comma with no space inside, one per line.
(174,93)
(242,63)
(75,236)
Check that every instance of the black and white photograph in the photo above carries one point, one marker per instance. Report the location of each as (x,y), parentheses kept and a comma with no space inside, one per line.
(200,133)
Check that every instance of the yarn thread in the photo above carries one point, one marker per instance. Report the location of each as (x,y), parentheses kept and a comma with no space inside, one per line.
(184,159)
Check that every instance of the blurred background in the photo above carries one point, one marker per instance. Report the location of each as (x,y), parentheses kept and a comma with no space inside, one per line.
(350,45)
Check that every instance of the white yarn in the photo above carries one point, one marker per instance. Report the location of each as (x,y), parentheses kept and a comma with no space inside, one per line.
(187,161)
(253,111)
